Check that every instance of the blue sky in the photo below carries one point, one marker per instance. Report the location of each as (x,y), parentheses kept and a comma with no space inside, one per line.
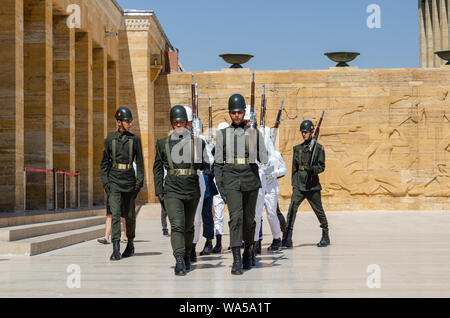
(287,34)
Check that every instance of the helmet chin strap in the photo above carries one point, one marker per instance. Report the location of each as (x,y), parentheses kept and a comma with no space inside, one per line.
(121,123)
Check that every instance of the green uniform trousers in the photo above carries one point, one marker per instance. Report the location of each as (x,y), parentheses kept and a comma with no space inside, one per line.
(181,215)
(315,200)
(128,211)
(241,206)
(281,219)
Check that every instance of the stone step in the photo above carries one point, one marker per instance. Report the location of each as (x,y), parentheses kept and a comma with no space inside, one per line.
(45,243)
(14,233)
(22,218)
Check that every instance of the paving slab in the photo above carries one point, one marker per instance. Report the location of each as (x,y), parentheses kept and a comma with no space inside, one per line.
(372,254)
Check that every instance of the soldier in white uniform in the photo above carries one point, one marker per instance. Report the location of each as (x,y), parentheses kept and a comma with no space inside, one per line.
(198,214)
(262,191)
(276,169)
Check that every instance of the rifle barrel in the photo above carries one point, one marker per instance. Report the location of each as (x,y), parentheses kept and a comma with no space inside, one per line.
(193,91)
(252,98)
(278,121)
(263,107)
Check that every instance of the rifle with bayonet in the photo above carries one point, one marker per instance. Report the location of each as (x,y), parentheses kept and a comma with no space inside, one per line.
(210,122)
(252,119)
(313,143)
(277,123)
(193,94)
(262,121)
(252,104)
(195,123)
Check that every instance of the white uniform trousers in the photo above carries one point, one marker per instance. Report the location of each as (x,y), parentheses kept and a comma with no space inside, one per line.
(198,212)
(260,204)
(219,207)
(270,202)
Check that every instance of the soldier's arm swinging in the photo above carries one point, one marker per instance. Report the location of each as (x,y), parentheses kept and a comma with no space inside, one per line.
(105,166)
(139,165)
(219,162)
(205,164)
(158,173)
(295,165)
(262,153)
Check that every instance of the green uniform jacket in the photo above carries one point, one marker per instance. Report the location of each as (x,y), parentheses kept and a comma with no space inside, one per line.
(180,187)
(122,180)
(300,178)
(237,177)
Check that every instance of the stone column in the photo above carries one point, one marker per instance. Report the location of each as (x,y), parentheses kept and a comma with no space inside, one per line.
(422,35)
(113,96)
(135,86)
(83,115)
(429,32)
(100,84)
(436,33)
(38,99)
(11,116)
(444,26)
(64,106)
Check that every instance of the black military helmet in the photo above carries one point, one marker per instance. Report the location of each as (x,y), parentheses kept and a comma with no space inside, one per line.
(178,112)
(307,125)
(236,103)
(124,113)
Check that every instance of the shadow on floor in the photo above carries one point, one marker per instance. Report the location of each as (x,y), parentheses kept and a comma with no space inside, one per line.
(304,245)
(206,266)
(209,258)
(148,254)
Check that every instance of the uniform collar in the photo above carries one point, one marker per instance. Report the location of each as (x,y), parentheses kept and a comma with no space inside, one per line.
(121,134)
(241,125)
(306,143)
(176,136)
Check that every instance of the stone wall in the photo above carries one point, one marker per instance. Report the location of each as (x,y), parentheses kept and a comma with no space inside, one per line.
(386,132)
(54,85)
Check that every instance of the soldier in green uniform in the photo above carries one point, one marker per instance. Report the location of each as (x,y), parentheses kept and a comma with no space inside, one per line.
(305,183)
(119,179)
(237,179)
(179,190)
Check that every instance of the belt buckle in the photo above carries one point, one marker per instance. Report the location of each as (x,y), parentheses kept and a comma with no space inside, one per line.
(302,168)
(121,166)
(240,161)
(183,172)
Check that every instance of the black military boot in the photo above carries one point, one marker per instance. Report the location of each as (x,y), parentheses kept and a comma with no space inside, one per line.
(287,239)
(257,247)
(253,253)
(187,260)
(236,269)
(275,246)
(115,256)
(218,248)
(166,232)
(325,240)
(129,250)
(180,267)
(207,249)
(193,254)
(247,256)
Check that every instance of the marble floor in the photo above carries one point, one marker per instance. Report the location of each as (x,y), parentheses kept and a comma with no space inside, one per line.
(373,254)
